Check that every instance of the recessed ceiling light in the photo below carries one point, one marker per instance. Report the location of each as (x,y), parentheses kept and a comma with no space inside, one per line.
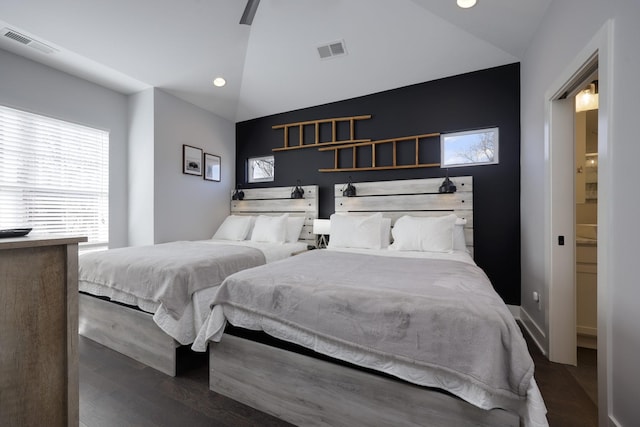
(466,4)
(219,82)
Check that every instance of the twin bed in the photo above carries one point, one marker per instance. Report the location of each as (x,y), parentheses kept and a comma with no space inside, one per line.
(374,332)
(146,301)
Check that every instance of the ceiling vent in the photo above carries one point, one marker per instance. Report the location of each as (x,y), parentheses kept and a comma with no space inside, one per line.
(27,41)
(331,50)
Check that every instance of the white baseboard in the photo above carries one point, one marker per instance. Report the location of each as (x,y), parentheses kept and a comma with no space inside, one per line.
(587,330)
(613,422)
(537,335)
(515,311)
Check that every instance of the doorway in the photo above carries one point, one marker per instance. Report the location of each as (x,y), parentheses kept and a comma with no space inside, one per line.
(586,236)
(560,210)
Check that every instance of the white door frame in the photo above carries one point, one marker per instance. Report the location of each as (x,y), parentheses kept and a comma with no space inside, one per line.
(560,316)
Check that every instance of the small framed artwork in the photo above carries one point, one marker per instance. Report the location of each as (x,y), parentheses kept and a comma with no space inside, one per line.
(211,167)
(191,160)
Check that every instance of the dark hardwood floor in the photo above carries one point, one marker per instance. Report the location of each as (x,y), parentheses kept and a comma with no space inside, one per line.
(569,392)
(118,391)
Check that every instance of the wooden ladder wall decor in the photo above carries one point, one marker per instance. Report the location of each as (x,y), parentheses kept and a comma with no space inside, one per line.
(334,122)
(394,141)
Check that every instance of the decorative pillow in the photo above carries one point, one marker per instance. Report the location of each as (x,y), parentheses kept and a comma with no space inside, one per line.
(270,229)
(234,227)
(429,234)
(459,241)
(294,228)
(355,231)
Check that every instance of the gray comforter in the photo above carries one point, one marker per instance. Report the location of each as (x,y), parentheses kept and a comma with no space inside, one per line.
(439,318)
(167,273)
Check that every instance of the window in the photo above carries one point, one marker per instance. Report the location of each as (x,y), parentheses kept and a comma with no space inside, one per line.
(54,176)
(475,147)
(261,169)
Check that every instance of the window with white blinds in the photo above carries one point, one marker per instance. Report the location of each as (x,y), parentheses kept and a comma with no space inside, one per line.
(54,176)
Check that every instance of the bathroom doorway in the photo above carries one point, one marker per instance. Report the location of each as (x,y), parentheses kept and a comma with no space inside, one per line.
(586,236)
(560,210)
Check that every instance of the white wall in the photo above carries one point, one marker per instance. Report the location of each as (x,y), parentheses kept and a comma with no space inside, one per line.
(187,207)
(34,87)
(568,27)
(141,168)
(150,200)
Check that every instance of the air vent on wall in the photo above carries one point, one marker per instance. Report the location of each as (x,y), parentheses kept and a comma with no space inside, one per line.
(27,41)
(331,50)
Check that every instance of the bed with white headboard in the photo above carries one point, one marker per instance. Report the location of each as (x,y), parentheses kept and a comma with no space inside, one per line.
(309,383)
(133,332)
(415,197)
(277,201)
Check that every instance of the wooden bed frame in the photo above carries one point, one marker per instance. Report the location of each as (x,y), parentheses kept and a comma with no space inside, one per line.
(310,391)
(134,333)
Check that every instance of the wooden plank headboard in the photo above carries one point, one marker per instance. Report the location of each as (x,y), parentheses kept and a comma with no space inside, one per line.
(416,197)
(276,201)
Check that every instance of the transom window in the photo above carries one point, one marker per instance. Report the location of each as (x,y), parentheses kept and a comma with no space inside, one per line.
(474,147)
(261,169)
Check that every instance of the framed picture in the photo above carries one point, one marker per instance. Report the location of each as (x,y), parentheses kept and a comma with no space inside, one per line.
(191,160)
(211,167)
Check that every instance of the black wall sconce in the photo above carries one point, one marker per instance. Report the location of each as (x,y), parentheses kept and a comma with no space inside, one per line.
(298,192)
(237,193)
(350,191)
(447,186)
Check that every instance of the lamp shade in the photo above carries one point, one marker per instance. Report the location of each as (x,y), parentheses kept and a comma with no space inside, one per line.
(349,190)
(238,194)
(298,192)
(447,186)
(321,226)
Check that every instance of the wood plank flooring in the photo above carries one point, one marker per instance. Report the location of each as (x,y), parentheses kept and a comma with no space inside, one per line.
(118,391)
(563,388)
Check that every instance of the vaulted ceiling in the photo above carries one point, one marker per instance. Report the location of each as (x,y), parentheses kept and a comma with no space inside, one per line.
(273,65)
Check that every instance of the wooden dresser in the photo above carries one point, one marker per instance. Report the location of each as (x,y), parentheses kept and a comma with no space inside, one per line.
(39,331)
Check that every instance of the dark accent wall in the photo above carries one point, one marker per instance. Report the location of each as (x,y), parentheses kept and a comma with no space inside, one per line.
(486,98)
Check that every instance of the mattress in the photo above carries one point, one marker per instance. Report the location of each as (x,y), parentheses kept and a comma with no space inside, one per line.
(173,281)
(431,322)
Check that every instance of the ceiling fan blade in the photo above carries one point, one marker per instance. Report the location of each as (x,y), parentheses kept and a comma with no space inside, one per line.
(249,12)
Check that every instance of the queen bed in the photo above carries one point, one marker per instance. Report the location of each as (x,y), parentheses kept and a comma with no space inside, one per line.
(146,301)
(410,334)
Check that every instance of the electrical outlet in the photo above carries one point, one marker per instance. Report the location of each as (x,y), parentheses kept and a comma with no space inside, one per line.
(536,298)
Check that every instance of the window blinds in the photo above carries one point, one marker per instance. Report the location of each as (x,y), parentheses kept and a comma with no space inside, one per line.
(54,176)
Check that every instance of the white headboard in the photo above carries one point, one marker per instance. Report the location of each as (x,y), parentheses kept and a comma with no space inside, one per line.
(276,201)
(416,197)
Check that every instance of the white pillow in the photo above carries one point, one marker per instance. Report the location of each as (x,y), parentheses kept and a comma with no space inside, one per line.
(294,228)
(355,231)
(253,222)
(459,241)
(234,227)
(385,233)
(429,234)
(270,229)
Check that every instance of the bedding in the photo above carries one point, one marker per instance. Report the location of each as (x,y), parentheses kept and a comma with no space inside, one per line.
(173,280)
(430,234)
(270,229)
(434,322)
(356,231)
(234,227)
